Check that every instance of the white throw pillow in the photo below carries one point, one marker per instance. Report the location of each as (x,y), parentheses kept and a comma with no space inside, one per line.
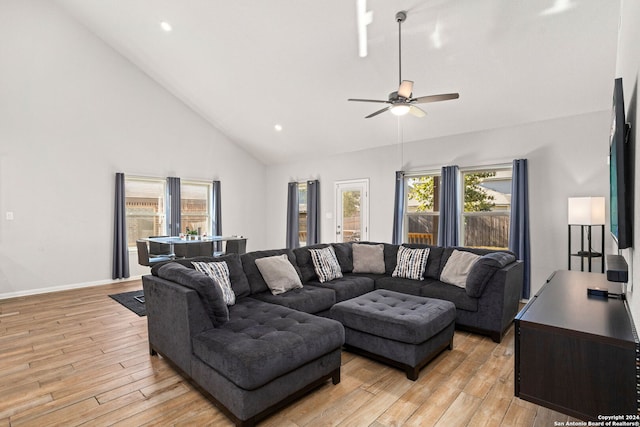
(278,273)
(219,271)
(325,263)
(457,268)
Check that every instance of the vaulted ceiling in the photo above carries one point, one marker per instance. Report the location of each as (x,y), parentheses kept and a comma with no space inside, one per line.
(247,65)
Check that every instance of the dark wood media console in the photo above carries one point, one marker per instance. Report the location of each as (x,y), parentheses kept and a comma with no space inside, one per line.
(575,353)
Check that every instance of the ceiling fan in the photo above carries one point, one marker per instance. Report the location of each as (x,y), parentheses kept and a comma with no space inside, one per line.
(401,101)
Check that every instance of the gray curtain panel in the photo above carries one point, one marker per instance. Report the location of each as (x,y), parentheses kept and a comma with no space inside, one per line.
(120,250)
(173,189)
(519,242)
(448,233)
(293,241)
(398,209)
(313,212)
(216,215)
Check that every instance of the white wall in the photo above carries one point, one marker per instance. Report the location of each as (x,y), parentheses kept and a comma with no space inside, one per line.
(628,67)
(567,157)
(72,113)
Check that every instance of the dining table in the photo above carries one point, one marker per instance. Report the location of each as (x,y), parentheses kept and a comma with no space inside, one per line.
(189,246)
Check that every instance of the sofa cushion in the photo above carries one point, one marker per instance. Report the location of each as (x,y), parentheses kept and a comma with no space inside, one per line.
(435,289)
(325,264)
(483,269)
(278,273)
(368,258)
(399,284)
(411,263)
(390,258)
(344,254)
(305,263)
(347,287)
(206,287)
(239,282)
(256,281)
(220,272)
(457,268)
(263,341)
(309,299)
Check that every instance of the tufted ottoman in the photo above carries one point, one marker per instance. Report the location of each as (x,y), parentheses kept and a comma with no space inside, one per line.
(399,329)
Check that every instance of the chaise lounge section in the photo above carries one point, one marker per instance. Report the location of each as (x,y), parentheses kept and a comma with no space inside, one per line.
(259,358)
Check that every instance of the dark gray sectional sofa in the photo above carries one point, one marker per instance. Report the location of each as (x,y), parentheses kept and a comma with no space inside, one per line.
(259,354)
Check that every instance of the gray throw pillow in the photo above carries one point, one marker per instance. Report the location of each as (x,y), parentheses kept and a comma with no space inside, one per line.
(208,290)
(278,273)
(457,268)
(368,258)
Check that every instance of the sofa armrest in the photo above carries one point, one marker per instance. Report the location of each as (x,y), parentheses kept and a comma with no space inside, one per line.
(174,314)
(501,298)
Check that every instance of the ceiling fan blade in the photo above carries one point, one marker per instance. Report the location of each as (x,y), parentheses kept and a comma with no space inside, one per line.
(405,89)
(418,112)
(378,112)
(367,100)
(435,98)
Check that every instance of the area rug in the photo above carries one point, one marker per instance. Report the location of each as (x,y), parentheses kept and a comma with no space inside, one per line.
(134,301)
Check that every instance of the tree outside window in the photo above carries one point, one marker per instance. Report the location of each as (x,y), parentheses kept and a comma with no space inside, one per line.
(422,209)
(487,208)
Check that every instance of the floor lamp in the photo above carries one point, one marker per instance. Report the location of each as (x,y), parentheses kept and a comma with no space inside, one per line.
(586,212)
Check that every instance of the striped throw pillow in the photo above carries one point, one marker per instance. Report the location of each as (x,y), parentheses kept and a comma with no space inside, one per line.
(325,263)
(411,263)
(219,272)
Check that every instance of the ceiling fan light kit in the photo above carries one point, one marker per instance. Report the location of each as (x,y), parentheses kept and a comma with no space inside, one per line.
(400,109)
(401,101)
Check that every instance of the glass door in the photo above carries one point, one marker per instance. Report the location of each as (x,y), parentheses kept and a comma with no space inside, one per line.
(352,210)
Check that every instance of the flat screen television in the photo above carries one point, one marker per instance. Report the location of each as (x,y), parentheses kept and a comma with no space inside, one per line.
(620,173)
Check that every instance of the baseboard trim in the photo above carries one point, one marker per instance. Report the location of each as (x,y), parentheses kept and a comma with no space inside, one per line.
(68,287)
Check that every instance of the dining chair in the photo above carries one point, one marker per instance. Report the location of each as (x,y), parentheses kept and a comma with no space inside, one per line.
(236,246)
(143,255)
(193,249)
(160,249)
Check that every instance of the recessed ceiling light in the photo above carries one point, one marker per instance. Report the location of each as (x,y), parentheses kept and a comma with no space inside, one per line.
(278,127)
(559,6)
(166,26)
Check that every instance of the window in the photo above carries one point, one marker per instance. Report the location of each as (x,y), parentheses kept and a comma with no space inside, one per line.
(302,213)
(422,208)
(145,208)
(486,208)
(195,207)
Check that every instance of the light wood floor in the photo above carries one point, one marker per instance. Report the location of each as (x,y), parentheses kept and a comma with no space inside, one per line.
(78,357)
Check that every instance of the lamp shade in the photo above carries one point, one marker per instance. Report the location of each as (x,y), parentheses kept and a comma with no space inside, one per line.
(586,211)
